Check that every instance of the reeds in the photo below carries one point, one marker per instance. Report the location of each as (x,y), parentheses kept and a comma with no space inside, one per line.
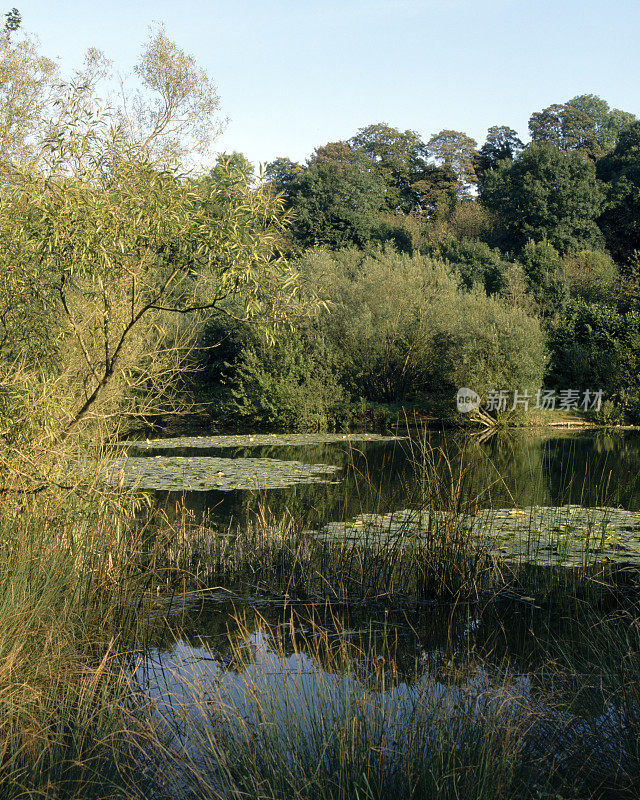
(440,558)
(70,586)
(315,716)
(300,711)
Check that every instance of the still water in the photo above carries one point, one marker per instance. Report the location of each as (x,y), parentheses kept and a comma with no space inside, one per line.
(200,640)
(515,469)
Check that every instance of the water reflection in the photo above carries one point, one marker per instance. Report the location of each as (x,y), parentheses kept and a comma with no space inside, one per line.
(315,669)
(516,468)
(311,661)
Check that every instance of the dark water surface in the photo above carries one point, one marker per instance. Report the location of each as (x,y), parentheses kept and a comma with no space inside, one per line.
(515,469)
(201,638)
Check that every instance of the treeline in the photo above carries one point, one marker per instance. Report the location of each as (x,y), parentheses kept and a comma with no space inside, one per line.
(444,264)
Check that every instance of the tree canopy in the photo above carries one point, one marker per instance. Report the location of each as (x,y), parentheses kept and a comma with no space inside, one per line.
(545,194)
(620,172)
(457,151)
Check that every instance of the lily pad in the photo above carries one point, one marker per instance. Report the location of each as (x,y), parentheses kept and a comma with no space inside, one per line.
(203,474)
(254,440)
(565,535)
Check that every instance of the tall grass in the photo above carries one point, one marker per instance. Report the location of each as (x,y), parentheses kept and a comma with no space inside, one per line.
(70,586)
(295,711)
(310,710)
(313,717)
(439,559)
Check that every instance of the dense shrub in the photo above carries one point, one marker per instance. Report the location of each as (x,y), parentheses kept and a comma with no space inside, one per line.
(477,264)
(542,267)
(485,344)
(403,325)
(396,328)
(290,385)
(591,275)
(597,347)
(377,319)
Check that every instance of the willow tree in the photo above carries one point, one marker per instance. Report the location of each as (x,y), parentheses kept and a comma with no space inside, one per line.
(111,252)
(27,79)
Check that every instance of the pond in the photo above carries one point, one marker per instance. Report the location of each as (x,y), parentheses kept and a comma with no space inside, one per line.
(338,477)
(258,671)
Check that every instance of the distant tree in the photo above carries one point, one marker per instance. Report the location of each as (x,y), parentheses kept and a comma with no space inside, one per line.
(456,151)
(545,194)
(400,157)
(336,198)
(13,20)
(502,142)
(618,122)
(282,174)
(566,127)
(620,171)
(436,191)
(608,123)
(232,174)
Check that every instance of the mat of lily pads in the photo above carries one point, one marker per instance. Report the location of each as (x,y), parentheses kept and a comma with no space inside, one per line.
(566,535)
(200,473)
(257,440)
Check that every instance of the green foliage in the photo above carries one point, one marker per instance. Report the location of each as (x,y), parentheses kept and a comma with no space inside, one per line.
(26,84)
(608,123)
(377,305)
(566,127)
(485,344)
(543,269)
(396,327)
(13,20)
(620,170)
(399,235)
(399,157)
(336,198)
(456,151)
(502,142)
(291,385)
(591,275)
(111,256)
(545,194)
(402,325)
(282,175)
(597,347)
(478,264)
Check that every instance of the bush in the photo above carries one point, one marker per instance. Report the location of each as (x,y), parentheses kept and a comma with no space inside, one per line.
(402,325)
(396,328)
(591,275)
(477,263)
(290,385)
(542,266)
(598,347)
(486,345)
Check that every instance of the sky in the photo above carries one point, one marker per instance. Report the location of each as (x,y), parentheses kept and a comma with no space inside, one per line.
(295,74)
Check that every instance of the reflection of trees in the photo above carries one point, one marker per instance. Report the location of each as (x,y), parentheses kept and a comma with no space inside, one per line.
(503,636)
(595,468)
(330,635)
(511,468)
(373,477)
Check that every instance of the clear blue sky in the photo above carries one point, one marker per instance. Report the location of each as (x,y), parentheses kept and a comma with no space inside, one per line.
(295,74)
